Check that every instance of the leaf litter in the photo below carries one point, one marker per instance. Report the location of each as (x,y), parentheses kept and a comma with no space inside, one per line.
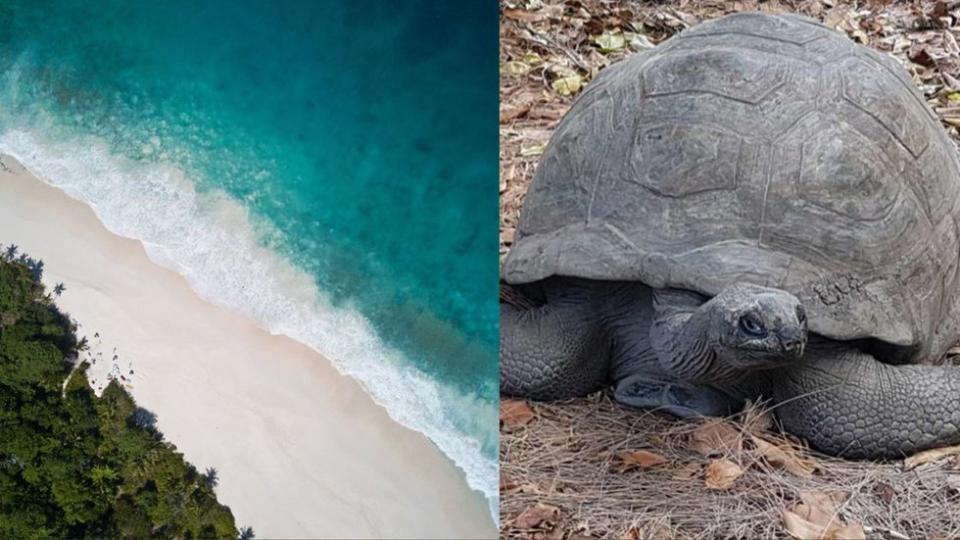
(621,470)
(639,459)
(589,468)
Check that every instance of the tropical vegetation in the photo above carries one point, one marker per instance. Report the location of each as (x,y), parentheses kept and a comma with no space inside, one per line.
(74,465)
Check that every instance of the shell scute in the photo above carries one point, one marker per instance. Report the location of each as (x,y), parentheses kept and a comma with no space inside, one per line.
(675,160)
(792,30)
(840,171)
(723,72)
(882,98)
(766,149)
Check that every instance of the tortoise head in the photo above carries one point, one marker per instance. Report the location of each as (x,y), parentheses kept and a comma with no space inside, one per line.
(759,327)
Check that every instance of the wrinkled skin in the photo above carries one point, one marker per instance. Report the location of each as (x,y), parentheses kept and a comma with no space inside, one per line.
(762,149)
(680,352)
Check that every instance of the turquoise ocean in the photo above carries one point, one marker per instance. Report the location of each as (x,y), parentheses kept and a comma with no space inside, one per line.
(327,168)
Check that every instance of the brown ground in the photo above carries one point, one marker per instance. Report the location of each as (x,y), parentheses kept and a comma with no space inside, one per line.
(563,465)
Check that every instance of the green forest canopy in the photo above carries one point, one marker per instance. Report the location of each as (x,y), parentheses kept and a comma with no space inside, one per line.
(75,465)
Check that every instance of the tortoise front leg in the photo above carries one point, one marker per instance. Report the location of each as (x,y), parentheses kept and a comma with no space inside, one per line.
(846,403)
(552,352)
(642,391)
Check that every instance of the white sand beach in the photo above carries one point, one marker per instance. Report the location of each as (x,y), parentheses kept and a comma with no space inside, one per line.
(301,450)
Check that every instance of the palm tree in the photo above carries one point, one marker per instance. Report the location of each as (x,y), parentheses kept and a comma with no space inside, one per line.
(143,418)
(246,533)
(102,477)
(11,252)
(59,288)
(210,477)
(37,269)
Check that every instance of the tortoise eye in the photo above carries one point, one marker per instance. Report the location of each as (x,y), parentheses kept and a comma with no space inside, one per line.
(750,325)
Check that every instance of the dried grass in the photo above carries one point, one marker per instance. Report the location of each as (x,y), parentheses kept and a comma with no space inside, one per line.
(565,458)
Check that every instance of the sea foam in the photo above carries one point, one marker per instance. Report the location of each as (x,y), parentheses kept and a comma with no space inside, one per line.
(213,241)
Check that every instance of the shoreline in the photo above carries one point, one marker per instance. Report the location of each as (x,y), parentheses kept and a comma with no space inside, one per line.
(300,449)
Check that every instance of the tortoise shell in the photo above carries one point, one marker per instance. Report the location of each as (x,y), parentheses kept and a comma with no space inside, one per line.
(759,148)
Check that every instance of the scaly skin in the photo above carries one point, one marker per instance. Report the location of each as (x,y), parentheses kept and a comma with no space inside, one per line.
(846,403)
(841,400)
(551,353)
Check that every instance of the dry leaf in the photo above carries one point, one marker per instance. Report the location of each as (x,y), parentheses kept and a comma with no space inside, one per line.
(516,67)
(515,413)
(640,42)
(713,437)
(822,506)
(608,42)
(853,531)
(550,111)
(532,58)
(509,113)
(816,517)
(567,86)
(533,150)
(834,16)
(537,515)
(523,488)
(517,107)
(722,473)
(929,456)
(783,457)
(639,459)
(799,527)
(524,15)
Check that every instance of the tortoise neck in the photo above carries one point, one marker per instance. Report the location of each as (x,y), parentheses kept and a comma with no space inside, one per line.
(684,344)
(684,335)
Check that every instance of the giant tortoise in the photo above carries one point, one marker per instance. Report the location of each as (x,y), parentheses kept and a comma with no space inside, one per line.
(758,207)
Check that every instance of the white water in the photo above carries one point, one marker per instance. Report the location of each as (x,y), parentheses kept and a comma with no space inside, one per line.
(213,241)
